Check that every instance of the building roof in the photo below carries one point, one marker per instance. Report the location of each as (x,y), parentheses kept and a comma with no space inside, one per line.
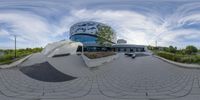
(121,41)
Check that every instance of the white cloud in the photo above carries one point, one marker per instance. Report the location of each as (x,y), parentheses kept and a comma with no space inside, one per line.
(142,29)
(135,27)
(4,32)
(37,26)
(31,30)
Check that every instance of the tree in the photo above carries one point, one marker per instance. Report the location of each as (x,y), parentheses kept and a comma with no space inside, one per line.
(105,35)
(190,49)
(172,49)
(150,47)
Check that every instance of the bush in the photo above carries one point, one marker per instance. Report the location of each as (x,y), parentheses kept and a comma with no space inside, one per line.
(172,49)
(94,55)
(169,56)
(9,55)
(179,57)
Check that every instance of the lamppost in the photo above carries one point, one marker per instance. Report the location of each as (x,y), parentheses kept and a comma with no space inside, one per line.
(156,43)
(15,36)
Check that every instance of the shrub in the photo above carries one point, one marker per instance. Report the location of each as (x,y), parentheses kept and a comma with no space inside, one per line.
(179,57)
(172,49)
(169,56)
(9,55)
(191,49)
(93,55)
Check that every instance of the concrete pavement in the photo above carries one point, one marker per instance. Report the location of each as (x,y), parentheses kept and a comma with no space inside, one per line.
(144,78)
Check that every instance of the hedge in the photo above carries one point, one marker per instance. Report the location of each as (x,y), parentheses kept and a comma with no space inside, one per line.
(179,57)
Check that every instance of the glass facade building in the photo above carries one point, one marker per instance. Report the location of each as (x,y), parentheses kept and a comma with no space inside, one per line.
(87,32)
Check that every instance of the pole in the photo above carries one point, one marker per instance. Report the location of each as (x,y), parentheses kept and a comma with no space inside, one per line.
(15,46)
(156,43)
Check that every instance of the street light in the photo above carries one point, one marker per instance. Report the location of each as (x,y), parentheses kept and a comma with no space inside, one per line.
(15,38)
(156,43)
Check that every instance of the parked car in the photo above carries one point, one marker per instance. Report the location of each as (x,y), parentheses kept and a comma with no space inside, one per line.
(134,55)
(126,54)
(129,54)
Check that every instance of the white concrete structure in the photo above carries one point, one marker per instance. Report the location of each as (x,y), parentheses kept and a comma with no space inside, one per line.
(61,47)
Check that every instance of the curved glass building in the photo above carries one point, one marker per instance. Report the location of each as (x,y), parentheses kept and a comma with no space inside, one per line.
(87,32)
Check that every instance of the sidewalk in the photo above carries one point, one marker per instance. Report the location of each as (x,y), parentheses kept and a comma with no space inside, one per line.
(15,63)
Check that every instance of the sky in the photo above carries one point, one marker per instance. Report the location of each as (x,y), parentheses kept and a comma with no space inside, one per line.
(142,22)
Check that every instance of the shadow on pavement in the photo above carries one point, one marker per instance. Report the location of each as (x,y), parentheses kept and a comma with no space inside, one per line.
(45,72)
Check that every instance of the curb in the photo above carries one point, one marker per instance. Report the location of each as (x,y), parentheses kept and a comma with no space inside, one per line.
(14,64)
(92,63)
(189,66)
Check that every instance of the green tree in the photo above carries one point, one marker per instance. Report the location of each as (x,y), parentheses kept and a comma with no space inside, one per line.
(150,47)
(105,35)
(190,49)
(172,49)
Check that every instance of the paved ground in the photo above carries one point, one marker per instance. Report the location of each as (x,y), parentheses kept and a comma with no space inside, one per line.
(144,78)
(45,72)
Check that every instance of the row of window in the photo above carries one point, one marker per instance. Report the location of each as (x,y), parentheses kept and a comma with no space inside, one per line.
(96,49)
(130,49)
(84,38)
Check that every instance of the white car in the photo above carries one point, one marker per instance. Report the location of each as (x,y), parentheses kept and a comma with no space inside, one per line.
(133,55)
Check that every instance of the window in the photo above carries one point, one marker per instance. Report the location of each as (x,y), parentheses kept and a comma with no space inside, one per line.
(84,38)
(131,49)
(79,49)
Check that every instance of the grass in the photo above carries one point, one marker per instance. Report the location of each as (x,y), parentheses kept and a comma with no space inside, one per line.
(9,61)
(9,55)
(8,58)
(94,55)
(182,58)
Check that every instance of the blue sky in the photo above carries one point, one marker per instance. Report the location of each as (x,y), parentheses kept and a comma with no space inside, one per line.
(38,22)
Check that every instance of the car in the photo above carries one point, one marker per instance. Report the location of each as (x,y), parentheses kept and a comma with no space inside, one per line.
(126,54)
(133,56)
(130,54)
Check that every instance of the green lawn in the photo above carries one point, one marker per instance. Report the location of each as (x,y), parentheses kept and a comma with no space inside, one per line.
(9,55)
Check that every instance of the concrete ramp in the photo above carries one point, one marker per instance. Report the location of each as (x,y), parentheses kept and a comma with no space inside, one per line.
(72,64)
(34,59)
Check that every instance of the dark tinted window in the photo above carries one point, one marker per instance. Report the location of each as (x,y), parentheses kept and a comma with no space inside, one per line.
(84,38)
(79,49)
